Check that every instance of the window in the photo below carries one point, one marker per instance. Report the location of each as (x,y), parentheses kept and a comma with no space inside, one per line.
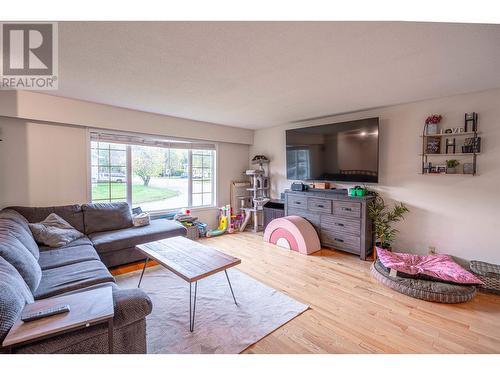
(109,172)
(153,175)
(202,178)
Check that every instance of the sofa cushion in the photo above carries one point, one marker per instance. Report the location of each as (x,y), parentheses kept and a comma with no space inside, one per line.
(100,217)
(71,213)
(130,237)
(65,256)
(22,233)
(54,231)
(72,277)
(14,252)
(79,242)
(14,216)
(14,294)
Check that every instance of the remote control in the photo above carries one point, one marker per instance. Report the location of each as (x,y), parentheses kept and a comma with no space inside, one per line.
(35,315)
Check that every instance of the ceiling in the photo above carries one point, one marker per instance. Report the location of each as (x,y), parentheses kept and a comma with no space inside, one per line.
(261,74)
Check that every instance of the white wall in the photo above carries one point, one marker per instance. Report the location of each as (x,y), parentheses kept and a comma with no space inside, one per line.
(40,107)
(460,215)
(44,164)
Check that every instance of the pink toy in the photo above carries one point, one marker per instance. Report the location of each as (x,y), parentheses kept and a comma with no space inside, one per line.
(294,233)
(439,266)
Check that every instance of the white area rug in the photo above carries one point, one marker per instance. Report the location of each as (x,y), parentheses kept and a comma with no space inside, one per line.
(220,325)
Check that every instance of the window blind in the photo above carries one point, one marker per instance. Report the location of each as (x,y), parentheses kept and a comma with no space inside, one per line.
(148,140)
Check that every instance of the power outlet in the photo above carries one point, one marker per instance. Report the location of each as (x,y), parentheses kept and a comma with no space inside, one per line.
(432,250)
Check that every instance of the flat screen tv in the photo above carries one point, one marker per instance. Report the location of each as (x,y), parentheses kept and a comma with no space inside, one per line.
(345,151)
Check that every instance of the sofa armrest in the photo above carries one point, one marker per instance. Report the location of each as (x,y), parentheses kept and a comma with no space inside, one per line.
(130,305)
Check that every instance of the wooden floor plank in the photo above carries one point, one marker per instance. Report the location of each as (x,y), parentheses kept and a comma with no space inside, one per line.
(353,313)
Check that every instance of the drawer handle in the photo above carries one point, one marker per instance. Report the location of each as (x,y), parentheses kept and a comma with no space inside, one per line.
(339,239)
(347,208)
(297,202)
(339,224)
(320,206)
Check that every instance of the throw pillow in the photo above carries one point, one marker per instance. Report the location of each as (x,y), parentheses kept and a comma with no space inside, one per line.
(54,231)
(141,219)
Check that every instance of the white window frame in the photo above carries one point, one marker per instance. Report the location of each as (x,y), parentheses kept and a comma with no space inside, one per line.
(195,146)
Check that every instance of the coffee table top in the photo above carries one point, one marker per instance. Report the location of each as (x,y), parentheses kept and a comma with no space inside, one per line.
(188,259)
(86,308)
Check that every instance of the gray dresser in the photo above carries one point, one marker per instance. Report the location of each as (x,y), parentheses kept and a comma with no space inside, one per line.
(341,221)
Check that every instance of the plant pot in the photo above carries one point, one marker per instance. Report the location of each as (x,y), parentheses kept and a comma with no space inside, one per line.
(451,170)
(384,246)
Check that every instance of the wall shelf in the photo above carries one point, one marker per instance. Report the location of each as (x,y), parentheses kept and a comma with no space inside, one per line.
(448,174)
(474,134)
(439,145)
(455,154)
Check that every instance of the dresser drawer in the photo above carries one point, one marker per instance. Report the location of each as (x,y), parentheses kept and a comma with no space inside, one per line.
(320,205)
(337,223)
(347,209)
(341,241)
(296,201)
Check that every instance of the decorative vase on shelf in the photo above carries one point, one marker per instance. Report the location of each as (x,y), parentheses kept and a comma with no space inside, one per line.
(432,129)
(451,170)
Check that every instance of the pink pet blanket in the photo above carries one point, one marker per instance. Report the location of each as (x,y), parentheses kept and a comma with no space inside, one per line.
(439,266)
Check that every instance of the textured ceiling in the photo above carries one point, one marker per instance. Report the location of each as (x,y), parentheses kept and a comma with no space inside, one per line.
(260,74)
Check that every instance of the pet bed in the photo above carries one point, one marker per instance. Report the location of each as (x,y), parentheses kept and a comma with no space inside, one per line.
(488,273)
(427,290)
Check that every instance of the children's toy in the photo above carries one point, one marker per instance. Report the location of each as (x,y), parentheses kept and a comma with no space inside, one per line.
(194,229)
(184,216)
(202,228)
(294,233)
(224,222)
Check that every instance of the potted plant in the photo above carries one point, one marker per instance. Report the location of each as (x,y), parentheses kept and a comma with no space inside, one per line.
(451,166)
(383,217)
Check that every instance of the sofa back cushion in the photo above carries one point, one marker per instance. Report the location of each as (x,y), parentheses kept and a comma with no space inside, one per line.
(14,252)
(72,214)
(14,216)
(101,217)
(14,294)
(10,226)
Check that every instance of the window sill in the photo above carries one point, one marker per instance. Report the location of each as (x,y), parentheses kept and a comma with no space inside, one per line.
(159,213)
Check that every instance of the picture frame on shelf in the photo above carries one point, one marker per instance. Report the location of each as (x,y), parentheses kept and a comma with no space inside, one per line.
(433,145)
(468,168)
(470,121)
(472,145)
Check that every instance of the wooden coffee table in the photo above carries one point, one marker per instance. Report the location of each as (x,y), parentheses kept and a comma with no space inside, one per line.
(190,261)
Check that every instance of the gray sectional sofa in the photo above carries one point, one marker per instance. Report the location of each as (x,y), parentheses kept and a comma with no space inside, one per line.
(31,272)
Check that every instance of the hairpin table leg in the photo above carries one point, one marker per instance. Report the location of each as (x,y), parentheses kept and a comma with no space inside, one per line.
(191,315)
(230,287)
(142,273)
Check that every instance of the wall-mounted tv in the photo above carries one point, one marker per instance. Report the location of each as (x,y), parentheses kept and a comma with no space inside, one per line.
(345,151)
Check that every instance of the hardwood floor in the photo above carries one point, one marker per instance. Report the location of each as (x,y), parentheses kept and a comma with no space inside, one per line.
(351,312)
